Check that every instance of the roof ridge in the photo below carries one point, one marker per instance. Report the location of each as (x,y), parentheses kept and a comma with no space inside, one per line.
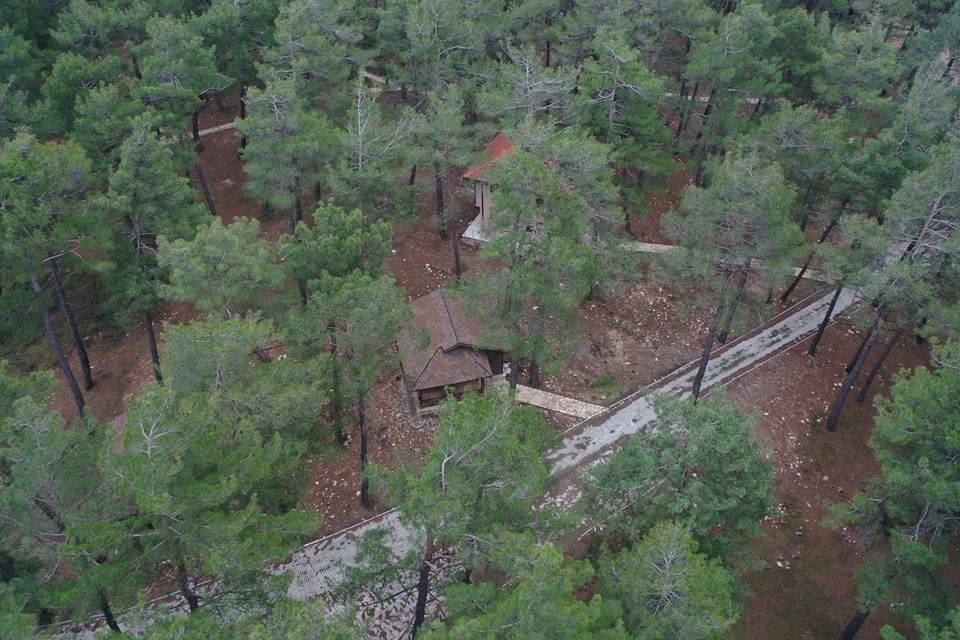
(472,352)
(453,325)
(427,365)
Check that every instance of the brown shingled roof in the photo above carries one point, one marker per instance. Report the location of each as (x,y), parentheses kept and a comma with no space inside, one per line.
(450,357)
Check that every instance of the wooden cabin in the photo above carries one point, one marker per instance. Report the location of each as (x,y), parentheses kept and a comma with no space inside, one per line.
(450,359)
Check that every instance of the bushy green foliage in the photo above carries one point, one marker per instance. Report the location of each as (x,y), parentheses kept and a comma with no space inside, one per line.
(535,602)
(484,470)
(701,466)
(283,620)
(220,268)
(667,589)
(339,243)
(149,199)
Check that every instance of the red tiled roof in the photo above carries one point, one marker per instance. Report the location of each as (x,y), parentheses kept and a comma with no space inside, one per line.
(449,357)
(495,149)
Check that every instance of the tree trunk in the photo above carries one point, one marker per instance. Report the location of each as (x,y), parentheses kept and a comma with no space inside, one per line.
(812,351)
(195,121)
(296,211)
(108,612)
(512,376)
(948,68)
(853,627)
(55,343)
(687,107)
(302,290)
(52,514)
(243,113)
(534,374)
(184,584)
(834,416)
(698,180)
(714,326)
(452,228)
(71,322)
(336,400)
(152,340)
(806,210)
(810,256)
(722,336)
(919,337)
(423,587)
(800,274)
(907,39)
(365,482)
(205,189)
(876,367)
(413,175)
(711,101)
(438,188)
(856,356)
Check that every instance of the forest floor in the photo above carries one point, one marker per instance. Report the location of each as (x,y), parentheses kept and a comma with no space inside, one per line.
(627,341)
(806,589)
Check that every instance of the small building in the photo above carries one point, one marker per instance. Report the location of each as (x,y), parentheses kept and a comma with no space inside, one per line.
(500,146)
(451,357)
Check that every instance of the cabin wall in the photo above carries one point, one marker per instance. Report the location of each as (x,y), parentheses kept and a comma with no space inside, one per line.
(496,361)
(428,400)
(483,201)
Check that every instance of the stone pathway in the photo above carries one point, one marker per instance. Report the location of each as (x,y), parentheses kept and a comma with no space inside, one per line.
(648,247)
(560,404)
(317,566)
(634,414)
(218,129)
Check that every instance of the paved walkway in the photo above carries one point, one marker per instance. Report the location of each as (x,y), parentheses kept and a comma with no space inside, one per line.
(553,402)
(317,566)
(628,418)
(648,247)
(218,129)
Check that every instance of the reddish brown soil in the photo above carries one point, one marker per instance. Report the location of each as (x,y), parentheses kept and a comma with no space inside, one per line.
(120,363)
(663,195)
(421,261)
(627,341)
(806,589)
(397,436)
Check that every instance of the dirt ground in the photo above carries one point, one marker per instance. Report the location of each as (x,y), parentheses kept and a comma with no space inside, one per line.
(806,589)
(626,342)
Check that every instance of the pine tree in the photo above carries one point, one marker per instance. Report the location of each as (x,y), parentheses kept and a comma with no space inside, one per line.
(736,227)
(220,268)
(149,199)
(701,467)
